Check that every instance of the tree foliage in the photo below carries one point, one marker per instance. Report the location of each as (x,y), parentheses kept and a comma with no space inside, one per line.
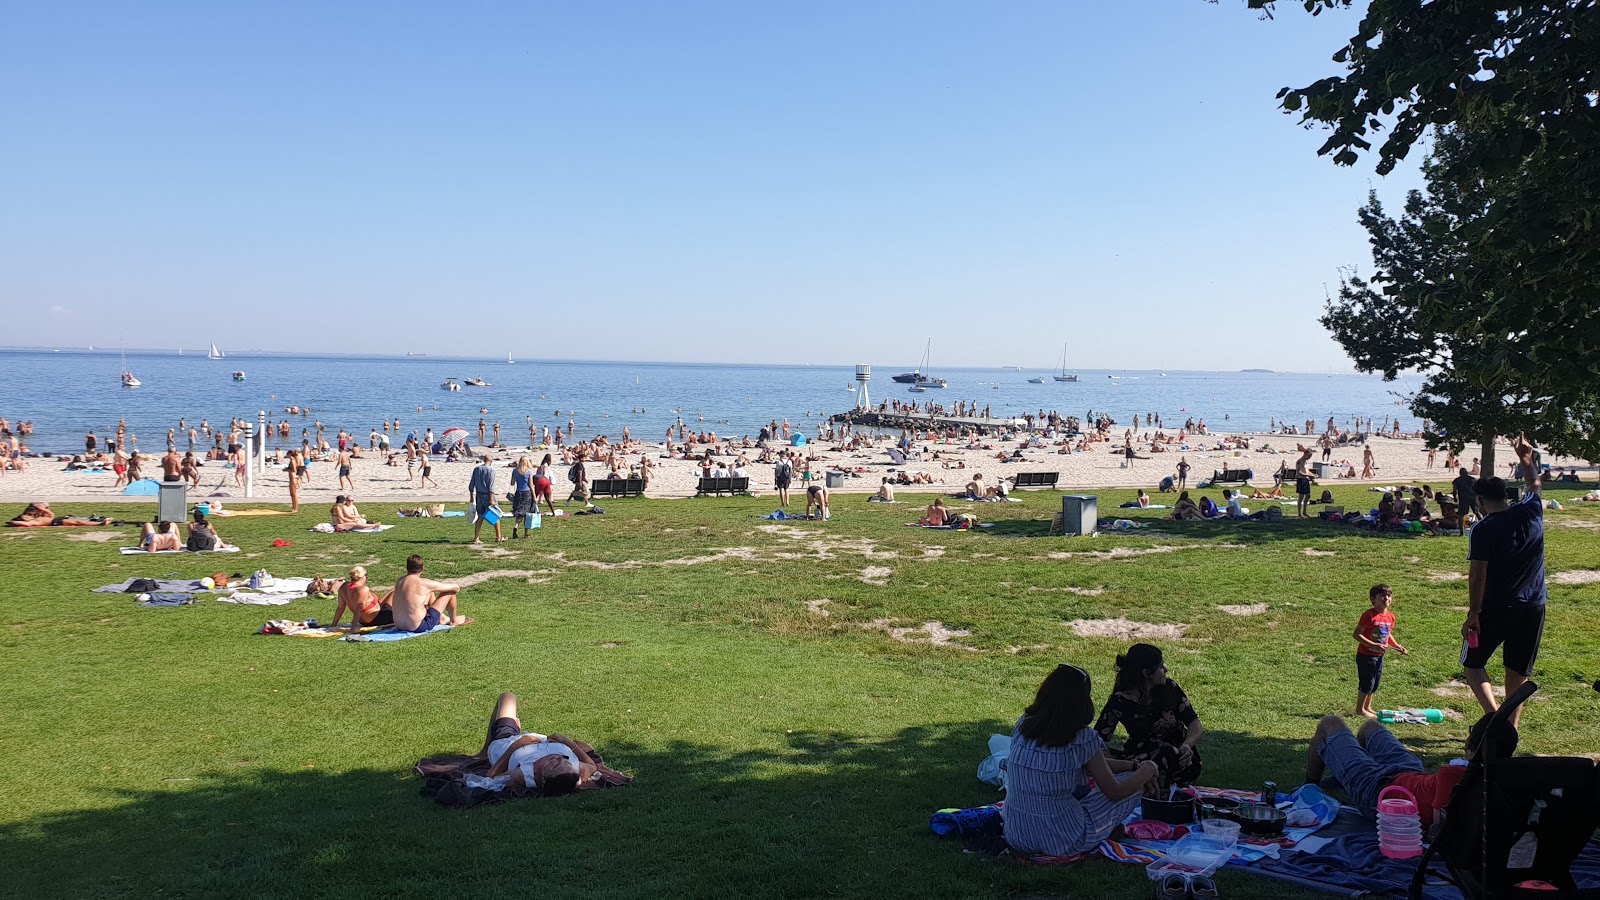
(1424,310)
(1523,80)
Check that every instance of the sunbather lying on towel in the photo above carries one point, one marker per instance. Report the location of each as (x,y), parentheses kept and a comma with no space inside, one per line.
(1372,759)
(160,536)
(547,764)
(38,515)
(366,608)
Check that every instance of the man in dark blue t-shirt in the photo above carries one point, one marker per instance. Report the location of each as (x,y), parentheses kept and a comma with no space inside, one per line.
(1505,583)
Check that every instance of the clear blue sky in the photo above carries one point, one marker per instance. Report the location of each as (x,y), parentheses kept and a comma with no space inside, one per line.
(823,182)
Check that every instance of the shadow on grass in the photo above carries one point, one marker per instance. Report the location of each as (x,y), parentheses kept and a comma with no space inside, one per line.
(823,814)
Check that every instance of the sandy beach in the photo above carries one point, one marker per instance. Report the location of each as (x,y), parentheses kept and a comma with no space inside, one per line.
(1398,461)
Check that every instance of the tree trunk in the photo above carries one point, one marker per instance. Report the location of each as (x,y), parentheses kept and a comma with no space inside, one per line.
(1486,459)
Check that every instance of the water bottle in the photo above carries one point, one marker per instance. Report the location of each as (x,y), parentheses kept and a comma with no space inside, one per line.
(1399,824)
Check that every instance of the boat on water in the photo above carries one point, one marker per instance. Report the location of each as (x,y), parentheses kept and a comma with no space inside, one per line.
(477,381)
(1062,375)
(238,376)
(1036,381)
(408,353)
(450,384)
(216,352)
(129,381)
(509,360)
(917,389)
(920,377)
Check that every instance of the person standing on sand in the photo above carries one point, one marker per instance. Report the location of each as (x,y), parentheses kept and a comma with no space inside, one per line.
(426,462)
(342,460)
(189,469)
(171,465)
(1366,462)
(480,494)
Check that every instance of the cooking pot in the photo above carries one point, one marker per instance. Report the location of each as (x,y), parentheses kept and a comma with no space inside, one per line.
(1259,819)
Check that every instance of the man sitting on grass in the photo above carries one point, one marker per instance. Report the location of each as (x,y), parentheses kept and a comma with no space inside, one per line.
(422,604)
(1372,759)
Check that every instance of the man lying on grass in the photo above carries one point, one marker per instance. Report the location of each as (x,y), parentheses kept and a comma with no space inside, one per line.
(549,765)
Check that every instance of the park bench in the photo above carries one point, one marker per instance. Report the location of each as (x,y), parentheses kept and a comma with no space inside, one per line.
(712,485)
(1035,479)
(1232,476)
(616,487)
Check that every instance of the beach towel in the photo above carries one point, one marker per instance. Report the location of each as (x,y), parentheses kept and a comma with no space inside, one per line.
(390,634)
(249,512)
(165,599)
(780,516)
(137,551)
(327,528)
(160,585)
(249,598)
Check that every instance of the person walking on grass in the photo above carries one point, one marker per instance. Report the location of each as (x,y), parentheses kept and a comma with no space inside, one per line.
(1505,583)
(1374,636)
(480,494)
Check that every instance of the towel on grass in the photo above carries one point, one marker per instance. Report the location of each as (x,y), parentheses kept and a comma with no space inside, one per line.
(162,585)
(137,551)
(391,634)
(165,599)
(327,528)
(248,598)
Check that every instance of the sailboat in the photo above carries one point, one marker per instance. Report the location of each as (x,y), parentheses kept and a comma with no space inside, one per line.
(920,378)
(127,377)
(216,352)
(1063,376)
(509,360)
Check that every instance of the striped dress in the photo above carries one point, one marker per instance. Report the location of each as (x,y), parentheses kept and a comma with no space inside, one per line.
(1050,808)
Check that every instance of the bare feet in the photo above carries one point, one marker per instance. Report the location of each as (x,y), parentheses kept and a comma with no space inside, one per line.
(1368,714)
(461,620)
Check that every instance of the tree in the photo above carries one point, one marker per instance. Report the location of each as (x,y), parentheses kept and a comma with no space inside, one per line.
(1422,311)
(1524,81)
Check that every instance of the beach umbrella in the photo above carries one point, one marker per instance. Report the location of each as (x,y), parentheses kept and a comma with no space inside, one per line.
(453,435)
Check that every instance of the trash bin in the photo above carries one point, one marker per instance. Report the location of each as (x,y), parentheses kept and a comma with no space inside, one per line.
(1080,514)
(172,502)
(835,480)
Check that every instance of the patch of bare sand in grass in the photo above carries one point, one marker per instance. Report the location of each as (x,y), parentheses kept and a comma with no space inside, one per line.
(480,577)
(1447,576)
(816,607)
(788,531)
(1577,523)
(1130,552)
(748,554)
(98,537)
(1413,559)
(876,575)
(1081,592)
(1577,576)
(1455,690)
(934,633)
(1126,630)
(493,551)
(1244,609)
(1312,551)
(1031,648)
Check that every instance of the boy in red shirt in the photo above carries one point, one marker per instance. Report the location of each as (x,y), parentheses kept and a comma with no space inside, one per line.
(1374,636)
(1372,759)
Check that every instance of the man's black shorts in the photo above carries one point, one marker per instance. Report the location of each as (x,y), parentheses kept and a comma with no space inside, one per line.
(504,727)
(1519,627)
(1302,485)
(1369,673)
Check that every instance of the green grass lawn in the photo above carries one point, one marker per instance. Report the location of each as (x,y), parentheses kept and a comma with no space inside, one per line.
(778,752)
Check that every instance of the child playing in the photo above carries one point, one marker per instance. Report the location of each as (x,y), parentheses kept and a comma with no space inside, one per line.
(1374,636)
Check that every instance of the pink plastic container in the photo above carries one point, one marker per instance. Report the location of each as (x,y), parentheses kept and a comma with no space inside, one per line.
(1399,825)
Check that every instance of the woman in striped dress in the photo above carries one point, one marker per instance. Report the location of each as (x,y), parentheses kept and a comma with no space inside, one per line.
(1050,808)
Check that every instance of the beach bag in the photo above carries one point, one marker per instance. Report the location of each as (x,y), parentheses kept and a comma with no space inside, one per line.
(1327,496)
(993,769)
(530,521)
(220,580)
(262,579)
(142,586)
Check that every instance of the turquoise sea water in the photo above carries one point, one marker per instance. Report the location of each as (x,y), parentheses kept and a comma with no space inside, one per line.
(69,392)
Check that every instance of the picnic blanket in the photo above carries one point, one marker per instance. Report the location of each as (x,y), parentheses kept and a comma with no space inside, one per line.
(390,634)
(136,551)
(165,599)
(327,528)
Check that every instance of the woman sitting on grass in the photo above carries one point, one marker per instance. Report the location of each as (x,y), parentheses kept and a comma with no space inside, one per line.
(1051,808)
(1185,508)
(936,515)
(1162,727)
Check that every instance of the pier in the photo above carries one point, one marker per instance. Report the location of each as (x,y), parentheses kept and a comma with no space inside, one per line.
(921,421)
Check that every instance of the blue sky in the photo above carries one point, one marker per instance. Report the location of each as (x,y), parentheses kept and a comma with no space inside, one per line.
(822,182)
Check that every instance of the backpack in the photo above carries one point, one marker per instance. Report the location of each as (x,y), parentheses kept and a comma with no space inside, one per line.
(572,473)
(1327,496)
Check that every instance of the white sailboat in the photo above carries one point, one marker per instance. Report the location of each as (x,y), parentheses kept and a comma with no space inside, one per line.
(1063,376)
(509,360)
(216,352)
(128,381)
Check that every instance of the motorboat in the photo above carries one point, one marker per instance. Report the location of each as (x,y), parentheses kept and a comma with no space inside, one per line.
(920,377)
(1036,381)
(129,381)
(917,389)
(509,360)
(1062,375)
(238,376)
(450,384)
(477,382)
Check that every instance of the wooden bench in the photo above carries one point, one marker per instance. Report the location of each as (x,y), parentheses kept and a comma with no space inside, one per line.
(723,486)
(1035,479)
(616,487)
